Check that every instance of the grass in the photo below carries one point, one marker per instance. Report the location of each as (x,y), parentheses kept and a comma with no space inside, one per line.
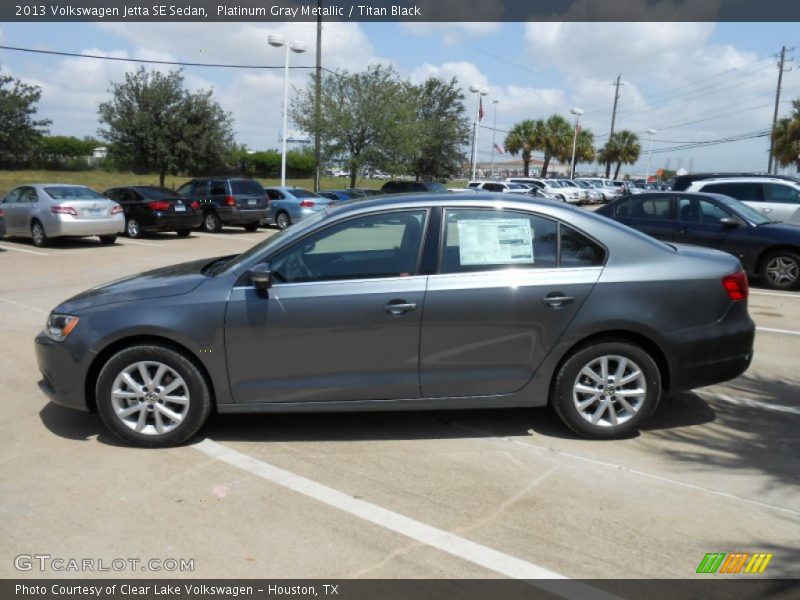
(102,180)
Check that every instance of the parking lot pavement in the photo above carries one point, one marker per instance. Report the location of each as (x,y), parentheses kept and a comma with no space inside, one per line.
(440,494)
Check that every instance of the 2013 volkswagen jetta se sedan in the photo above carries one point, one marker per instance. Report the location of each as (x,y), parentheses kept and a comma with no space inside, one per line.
(407,302)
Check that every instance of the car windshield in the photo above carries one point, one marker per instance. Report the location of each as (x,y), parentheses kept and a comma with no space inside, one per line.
(246,186)
(436,187)
(271,241)
(516,186)
(301,193)
(751,214)
(72,192)
(153,193)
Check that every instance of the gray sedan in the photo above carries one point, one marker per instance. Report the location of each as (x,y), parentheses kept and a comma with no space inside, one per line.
(440,301)
(42,211)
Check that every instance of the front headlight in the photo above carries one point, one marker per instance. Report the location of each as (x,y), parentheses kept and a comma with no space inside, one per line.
(60,326)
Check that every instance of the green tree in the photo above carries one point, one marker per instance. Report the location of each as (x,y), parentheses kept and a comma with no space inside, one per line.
(622,148)
(584,147)
(525,138)
(67,146)
(786,138)
(557,136)
(366,118)
(441,129)
(153,122)
(20,132)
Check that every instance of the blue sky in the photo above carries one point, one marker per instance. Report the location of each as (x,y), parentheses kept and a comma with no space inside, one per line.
(691,82)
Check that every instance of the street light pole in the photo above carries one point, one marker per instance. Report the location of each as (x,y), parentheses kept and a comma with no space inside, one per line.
(479,92)
(298,47)
(577,112)
(494,133)
(649,155)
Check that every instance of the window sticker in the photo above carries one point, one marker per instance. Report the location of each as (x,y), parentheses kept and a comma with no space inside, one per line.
(495,241)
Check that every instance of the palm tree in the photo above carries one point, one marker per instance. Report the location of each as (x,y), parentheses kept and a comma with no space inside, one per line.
(557,141)
(525,137)
(584,147)
(622,148)
(786,138)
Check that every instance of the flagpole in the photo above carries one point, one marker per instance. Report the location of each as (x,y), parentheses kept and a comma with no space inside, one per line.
(479,91)
(494,134)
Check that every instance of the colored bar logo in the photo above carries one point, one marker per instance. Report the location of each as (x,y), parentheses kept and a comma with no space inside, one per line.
(734,562)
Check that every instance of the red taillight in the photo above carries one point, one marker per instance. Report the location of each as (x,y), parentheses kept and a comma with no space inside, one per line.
(158,205)
(736,286)
(195,205)
(306,203)
(2,213)
(63,210)
(230,201)
(116,209)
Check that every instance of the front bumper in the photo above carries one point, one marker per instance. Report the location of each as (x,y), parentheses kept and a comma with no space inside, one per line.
(74,226)
(63,376)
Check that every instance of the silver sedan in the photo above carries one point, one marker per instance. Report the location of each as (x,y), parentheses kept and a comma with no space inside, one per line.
(42,211)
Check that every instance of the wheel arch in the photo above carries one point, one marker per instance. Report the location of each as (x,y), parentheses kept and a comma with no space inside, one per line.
(106,353)
(766,252)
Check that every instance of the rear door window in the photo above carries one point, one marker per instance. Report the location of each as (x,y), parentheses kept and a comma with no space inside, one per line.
(218,188)
(652,208)
(695,210)
(783,194)
(745,192)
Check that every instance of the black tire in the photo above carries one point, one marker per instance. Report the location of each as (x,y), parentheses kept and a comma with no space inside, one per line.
(780,270)
(133,229)
(184,232)
(282,219)
(251,226)
(563,397)
(196,412)
(108,240)
(38,235)
(212,222)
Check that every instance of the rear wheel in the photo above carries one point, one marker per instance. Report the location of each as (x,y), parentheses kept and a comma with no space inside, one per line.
(107,240)
(781,270)
(184,232)
(133,229)
(211,222)
(152,396)
(606,390)
(38,234)
(251,226)
(283,220)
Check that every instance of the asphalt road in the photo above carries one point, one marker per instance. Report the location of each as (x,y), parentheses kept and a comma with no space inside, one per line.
(506,493)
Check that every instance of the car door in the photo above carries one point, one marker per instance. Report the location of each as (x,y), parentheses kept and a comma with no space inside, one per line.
(699,223)
(341,321)
(651,214)
(783,200)
(498,303)
(14,209)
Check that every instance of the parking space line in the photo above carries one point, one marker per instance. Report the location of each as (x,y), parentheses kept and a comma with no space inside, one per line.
(40,310)
(795,410)
(24,250)
(411,528)
(141,243)
(618,467)
(222,236)
(783,331)
(795,296)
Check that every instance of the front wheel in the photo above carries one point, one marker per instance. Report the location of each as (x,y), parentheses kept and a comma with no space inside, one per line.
(152,396)
(606,390)
(781,270)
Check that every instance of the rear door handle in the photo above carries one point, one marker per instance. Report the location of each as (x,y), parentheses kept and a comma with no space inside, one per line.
(398,307)
(557,299)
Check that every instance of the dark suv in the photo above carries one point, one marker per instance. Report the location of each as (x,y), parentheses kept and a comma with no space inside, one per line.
(408,187)
(228,201)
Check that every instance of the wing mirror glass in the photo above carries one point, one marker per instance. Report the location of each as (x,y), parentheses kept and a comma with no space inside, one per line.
(729,222)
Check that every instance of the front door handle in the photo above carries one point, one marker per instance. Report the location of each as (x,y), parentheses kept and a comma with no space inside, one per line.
(557,299)
(398,307)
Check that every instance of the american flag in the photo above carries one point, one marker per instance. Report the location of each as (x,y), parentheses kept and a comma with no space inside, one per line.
(481,112)
(499,149)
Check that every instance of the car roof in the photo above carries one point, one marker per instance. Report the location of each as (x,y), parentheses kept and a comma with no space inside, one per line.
(761,179)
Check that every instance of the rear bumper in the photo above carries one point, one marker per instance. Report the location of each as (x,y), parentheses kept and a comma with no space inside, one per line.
(712,354)
(62,376)
(171,222)
(72,226)
(237,216)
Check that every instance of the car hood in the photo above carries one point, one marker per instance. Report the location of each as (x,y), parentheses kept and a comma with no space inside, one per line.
(785,231)
(159,283)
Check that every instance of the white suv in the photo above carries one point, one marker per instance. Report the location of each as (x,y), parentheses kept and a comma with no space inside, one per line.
(776,199)
(549,188)
(498,186)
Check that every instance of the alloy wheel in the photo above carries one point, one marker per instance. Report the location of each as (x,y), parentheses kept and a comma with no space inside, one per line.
(282,220)
(133,228)
(609,391)
(782,271)
(37,233)
(150,397)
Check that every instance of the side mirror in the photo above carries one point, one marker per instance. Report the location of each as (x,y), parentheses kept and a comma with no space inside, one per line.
(261,276)
(729,222)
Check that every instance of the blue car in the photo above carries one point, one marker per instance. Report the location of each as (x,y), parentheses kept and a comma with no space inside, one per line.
(341,195)
(288,205)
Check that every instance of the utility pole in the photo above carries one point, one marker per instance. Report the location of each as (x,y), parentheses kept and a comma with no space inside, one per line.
(616,85)
(317,103)
(781,69)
